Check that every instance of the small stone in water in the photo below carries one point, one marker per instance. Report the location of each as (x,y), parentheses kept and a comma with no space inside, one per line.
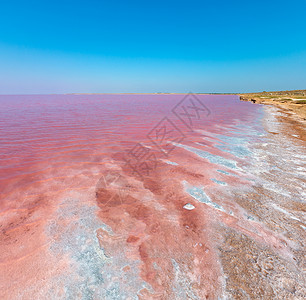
(189,206)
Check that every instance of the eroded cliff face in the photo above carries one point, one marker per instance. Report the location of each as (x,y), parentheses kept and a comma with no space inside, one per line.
(220,216)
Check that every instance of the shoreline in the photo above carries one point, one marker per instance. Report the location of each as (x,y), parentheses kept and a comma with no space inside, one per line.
(290,117)
(291,102)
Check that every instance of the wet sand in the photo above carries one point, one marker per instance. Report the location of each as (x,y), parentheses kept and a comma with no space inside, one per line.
(222,216)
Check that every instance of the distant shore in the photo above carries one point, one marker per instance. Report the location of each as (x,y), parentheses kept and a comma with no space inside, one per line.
(291,101)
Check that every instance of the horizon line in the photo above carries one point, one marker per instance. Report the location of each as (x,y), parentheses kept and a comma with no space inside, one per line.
(154,93)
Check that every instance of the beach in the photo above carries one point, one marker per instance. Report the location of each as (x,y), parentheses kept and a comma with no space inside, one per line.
(293,102)
(156,196)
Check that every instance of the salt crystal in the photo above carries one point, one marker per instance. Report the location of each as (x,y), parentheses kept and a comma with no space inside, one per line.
(189,206)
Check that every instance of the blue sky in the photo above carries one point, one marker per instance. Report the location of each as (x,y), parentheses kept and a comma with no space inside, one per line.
(151,46)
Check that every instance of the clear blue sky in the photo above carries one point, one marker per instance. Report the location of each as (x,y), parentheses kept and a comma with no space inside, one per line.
(152,46)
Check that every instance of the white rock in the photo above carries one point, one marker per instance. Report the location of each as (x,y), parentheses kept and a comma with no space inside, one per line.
(189,206)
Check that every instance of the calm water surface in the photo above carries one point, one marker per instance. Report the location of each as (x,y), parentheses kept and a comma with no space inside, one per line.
(83,217)
(39,132)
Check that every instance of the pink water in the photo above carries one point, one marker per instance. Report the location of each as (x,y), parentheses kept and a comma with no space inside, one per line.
(40,132)
(56,152)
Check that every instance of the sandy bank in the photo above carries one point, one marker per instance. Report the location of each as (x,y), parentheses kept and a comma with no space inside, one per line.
(290,101)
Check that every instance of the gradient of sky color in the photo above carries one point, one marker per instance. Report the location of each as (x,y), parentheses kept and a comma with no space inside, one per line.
(151,46)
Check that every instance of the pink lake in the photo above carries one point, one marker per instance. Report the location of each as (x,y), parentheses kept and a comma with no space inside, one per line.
(126,196)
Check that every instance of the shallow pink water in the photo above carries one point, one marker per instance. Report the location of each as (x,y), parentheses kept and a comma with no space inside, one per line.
(43,131)
(56,152)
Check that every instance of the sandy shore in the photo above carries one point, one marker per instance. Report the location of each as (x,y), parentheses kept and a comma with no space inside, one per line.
(252,270)
(293,102)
